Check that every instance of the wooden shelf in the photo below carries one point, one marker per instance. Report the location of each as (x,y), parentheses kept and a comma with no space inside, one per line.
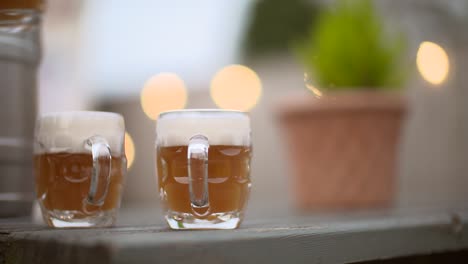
(319,239)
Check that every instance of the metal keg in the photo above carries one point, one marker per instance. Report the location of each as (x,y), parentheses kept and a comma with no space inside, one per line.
(20,55)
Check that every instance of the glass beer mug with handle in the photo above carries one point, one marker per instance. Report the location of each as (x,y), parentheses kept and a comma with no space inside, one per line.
(203,166)
(79,166)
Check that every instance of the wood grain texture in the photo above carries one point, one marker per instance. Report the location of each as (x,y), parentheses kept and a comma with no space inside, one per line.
(293,240)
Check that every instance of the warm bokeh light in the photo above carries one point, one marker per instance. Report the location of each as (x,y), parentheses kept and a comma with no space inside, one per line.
(432,62)
(129,149)
(163,92)
(236,87)
(311,87)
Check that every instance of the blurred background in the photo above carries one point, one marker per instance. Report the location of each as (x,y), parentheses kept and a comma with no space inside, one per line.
(99,55)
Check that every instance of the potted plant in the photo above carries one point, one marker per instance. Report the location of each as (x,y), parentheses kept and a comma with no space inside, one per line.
(343,141)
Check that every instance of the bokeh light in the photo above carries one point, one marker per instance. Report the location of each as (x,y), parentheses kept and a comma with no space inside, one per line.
(311,87)
(129,150)
(236,87)
(163,92)
(432,62)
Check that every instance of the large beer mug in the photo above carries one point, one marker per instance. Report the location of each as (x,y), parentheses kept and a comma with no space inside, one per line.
(203,166)
(79,166)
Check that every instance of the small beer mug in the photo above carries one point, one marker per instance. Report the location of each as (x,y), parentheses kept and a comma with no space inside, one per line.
(203,167)
(79,166)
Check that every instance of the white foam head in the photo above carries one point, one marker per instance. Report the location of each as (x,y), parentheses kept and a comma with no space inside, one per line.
(221,127)
(67,131)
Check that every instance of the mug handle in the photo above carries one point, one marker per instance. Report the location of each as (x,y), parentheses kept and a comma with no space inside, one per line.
(197,158)
(100,150)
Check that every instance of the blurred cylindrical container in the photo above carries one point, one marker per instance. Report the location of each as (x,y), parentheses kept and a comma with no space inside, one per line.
(20,54)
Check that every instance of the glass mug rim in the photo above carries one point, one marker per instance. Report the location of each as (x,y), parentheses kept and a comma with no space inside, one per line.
(202,111)
(75,112)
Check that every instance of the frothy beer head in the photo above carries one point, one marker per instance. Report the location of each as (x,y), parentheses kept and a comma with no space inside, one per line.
(68,131)
(221,127)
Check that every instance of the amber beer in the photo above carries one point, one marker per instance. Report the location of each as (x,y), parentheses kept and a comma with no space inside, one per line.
(22,4)
(12,8)
(79,167)
(228,177)
(63,180)
(203,166)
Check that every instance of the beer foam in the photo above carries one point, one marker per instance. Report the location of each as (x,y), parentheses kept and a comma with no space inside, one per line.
(68,131)
(221,127)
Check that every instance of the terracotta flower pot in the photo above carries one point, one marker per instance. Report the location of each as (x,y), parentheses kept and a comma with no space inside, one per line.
(343,148)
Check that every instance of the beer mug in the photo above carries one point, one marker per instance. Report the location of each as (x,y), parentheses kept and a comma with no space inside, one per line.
(203,167)
(79,167)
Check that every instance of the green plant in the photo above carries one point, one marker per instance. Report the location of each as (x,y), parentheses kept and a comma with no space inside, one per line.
(274,24)
(348,49)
